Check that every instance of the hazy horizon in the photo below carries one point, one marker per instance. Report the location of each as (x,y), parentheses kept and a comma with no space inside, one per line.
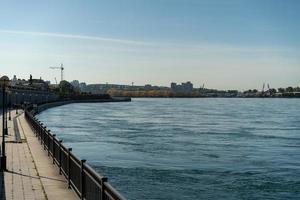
(235,44)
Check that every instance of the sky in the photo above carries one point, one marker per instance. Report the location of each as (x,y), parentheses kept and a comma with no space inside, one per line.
(232,44)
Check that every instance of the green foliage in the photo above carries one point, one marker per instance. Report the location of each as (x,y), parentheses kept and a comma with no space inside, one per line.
(290,89)
(281,90)
(66,88)
(273,91)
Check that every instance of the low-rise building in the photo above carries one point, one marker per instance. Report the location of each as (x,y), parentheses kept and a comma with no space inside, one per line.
(184,87)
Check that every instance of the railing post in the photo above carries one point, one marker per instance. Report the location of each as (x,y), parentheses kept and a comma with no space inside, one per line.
(43,135)
(82,185)
(103,180)
(41,130)
(69,167)
(37,128)
(59,155)
(53,148)
(48,142)
(33,125)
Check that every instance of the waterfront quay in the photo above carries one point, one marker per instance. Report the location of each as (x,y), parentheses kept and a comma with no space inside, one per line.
(30,171)
(35,164)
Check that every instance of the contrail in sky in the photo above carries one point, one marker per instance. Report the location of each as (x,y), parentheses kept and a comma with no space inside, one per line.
(72,36)
(205,47)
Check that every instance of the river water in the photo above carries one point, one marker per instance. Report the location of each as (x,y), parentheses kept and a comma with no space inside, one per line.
(188,148)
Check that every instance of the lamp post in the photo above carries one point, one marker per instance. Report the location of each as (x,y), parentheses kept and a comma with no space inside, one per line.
(3,82)
(16,93)
(9,105)
(23,99)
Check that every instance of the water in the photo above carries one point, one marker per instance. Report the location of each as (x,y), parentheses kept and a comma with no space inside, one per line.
(188,148)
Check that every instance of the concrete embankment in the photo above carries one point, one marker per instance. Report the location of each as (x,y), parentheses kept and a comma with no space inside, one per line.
(34,96)
(46,106)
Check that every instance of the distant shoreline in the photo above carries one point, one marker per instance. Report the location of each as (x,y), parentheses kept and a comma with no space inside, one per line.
(211,97)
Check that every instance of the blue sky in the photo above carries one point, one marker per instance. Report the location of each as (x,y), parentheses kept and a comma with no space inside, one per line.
(234,44)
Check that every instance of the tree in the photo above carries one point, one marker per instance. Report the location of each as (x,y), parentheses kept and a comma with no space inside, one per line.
(281,90)
(273,91)
(66,88)
(290,89)
(297,89)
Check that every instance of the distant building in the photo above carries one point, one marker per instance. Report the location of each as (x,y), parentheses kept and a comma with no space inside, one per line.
(75,83)
(31,83)
(39,84)
(82,86)
(187,87)
(184,87)
(148,87)
(174,86)
(14,81)
(18,82)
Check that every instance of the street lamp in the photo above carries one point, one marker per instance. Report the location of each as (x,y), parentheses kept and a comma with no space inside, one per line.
(23,99)
(16,93)
(9,105)
(4,80)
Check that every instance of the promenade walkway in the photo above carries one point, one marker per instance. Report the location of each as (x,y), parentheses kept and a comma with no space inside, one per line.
(30,173)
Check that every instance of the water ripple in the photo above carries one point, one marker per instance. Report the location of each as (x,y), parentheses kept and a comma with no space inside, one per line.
(188,148)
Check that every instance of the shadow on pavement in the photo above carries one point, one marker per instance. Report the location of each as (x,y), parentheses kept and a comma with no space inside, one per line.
(36,177)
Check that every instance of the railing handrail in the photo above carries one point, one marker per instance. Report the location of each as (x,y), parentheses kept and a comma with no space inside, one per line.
(44,135)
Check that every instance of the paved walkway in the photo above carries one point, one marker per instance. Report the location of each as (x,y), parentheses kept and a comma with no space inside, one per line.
(30,173)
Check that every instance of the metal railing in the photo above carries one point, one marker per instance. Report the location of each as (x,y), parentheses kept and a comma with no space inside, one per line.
(87,183)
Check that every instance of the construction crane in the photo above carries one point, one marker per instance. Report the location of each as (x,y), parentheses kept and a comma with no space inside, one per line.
(61,68)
